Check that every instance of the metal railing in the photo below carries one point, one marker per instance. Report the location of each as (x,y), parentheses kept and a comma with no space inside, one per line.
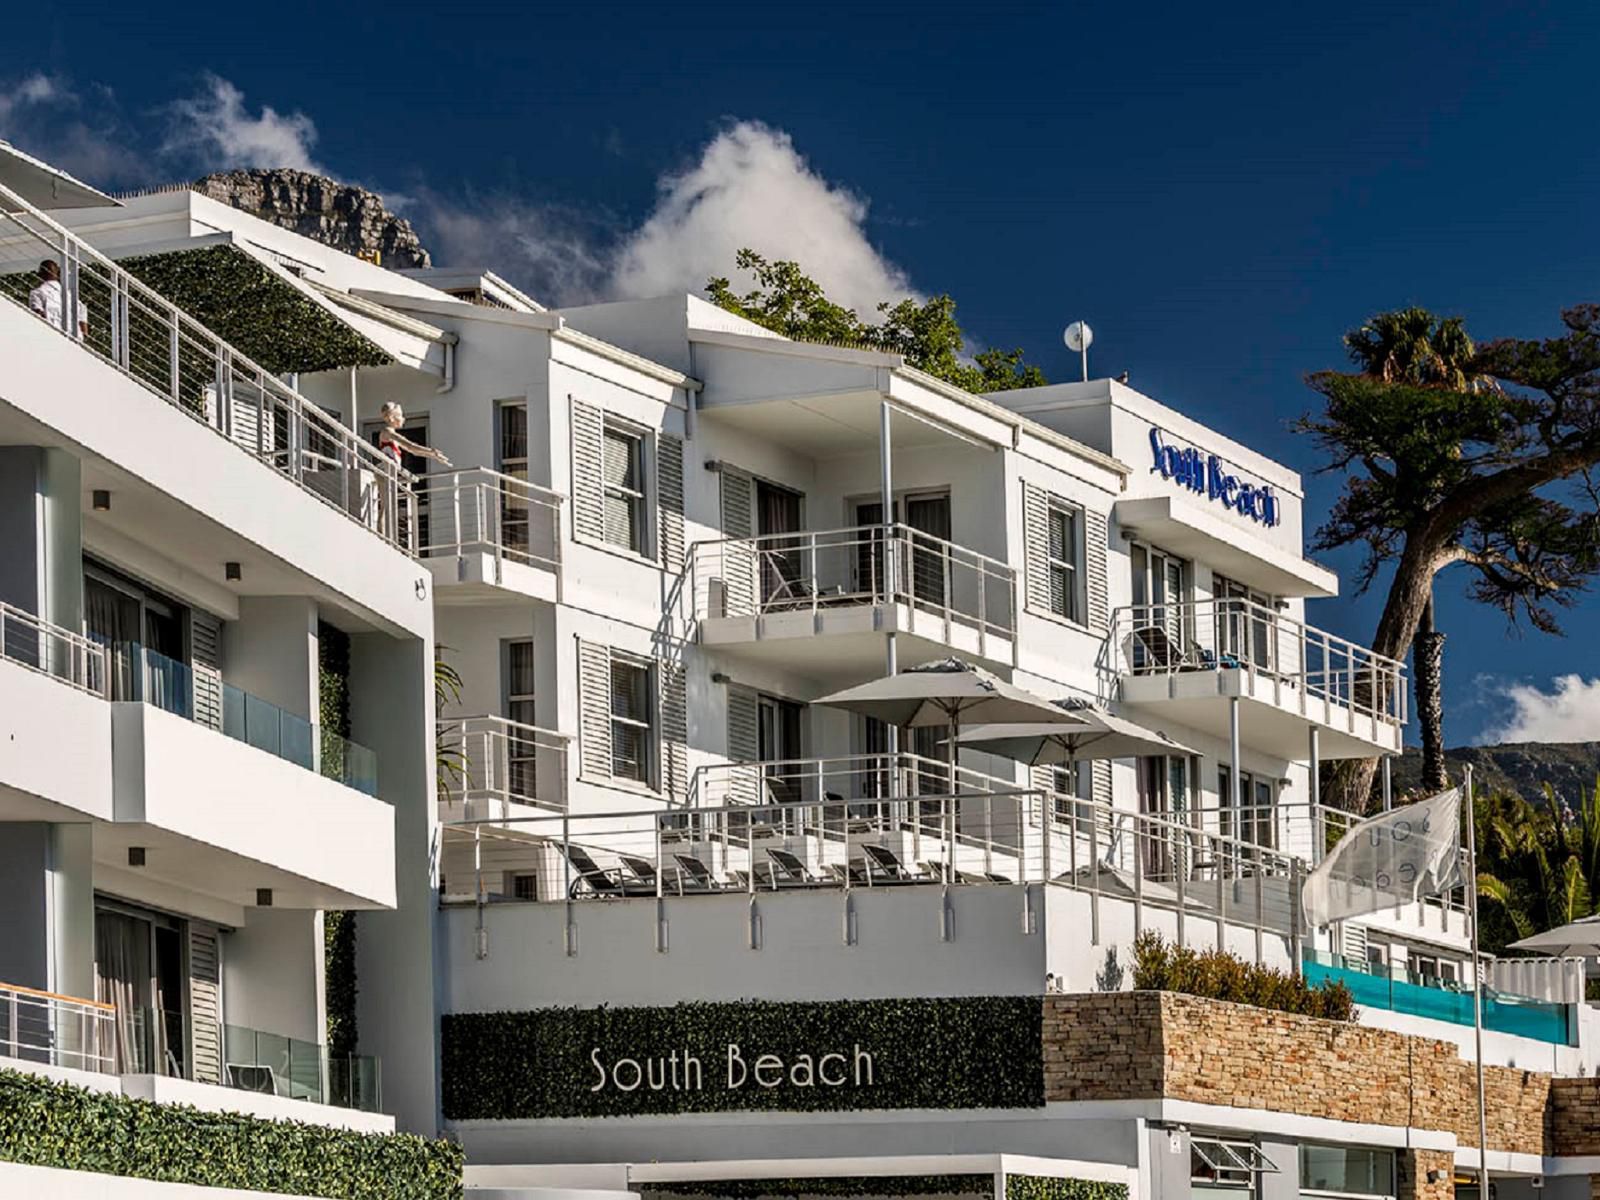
(490,762)
(34,643)
(813,572)
(479,510)
(1323,676)
(966,838)
(203,697)
(61,1031)
(158,345)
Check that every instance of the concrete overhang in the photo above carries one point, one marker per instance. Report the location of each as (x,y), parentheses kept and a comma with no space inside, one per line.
(1227,549)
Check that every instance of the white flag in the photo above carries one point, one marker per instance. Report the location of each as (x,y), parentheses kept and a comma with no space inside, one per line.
(1396,858)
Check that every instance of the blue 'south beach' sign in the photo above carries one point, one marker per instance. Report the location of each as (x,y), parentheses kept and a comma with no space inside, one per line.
(1207,475)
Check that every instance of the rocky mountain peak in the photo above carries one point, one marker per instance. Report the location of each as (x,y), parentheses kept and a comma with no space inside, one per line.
(340,215)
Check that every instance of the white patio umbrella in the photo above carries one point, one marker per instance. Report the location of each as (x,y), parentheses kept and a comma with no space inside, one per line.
(1580,939)
(947,693)
(1096,734)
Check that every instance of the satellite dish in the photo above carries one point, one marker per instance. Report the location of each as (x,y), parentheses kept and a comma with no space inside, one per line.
(1078,336)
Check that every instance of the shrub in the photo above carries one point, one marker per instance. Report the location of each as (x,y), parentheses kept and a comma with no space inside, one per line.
(1218,975)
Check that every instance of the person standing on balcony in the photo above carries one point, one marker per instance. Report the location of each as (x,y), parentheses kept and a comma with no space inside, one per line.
(395,444)
(48,298)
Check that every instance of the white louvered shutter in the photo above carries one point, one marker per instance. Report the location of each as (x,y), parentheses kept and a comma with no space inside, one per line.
(1036,545)
(205,1003)
(588,467)
(1096,571)
(674,730)
(205,652)
(739,557)
(669,487)
(744,744)
(594,710)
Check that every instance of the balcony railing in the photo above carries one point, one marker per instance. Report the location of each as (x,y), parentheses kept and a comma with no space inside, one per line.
(978,838)
(49,649)
(176,687)
(490,762)
(61,1031)
(815,572)
(477,510)
(159,346)
(284,1066)
(1303,666)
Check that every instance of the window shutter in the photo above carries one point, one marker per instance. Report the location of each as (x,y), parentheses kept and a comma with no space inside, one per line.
(1354,942)
(588,466)
(669,485)
(205,652)
(1095,571)
(674,730)
(1036,542)
(205,1003)
(738,559)
(1100,780)
(594,710)
(744,744)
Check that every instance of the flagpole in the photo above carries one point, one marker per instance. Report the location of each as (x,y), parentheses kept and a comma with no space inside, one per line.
(1477,992)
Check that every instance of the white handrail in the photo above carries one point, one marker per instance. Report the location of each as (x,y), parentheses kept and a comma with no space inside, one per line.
(36,644)
(474,509)
(62,1031)
(490,760)
(157,344)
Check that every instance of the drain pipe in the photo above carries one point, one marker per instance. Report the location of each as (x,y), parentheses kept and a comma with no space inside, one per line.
(448,341)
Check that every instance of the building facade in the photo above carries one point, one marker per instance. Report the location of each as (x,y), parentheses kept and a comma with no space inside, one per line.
(634,909)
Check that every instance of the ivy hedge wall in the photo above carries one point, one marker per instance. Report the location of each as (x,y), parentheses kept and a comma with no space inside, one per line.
(926,1053)
(49,1124)
(1048,1187)
(859,1187)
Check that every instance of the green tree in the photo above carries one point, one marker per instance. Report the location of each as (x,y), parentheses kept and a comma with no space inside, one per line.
(788,301)
(1453,456)
(1538,864)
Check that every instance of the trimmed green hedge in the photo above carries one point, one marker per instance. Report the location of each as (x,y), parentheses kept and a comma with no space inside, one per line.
(825,1185)
(1219,975)
(1048,1187)
(982,1052)
(48,1124)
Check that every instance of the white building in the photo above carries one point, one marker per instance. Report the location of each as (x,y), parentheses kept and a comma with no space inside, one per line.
(668,532)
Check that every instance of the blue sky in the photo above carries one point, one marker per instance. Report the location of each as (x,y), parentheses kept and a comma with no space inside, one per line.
(1220,191)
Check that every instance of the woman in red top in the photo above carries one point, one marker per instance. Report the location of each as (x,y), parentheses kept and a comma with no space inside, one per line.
(395,444)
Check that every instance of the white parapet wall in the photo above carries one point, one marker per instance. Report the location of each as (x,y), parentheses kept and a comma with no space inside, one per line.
(50,1183)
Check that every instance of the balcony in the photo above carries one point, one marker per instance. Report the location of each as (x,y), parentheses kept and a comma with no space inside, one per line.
(836,592)
(56,1031)
(488,537)
(1190,660)
(155,343)
(494,769)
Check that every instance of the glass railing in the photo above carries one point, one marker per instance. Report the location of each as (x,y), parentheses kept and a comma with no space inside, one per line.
(256,1061)
(1397,990)
(354,1082)
(171,686)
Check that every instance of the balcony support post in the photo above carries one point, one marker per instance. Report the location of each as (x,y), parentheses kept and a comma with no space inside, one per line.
(1388,784)
(1315,800)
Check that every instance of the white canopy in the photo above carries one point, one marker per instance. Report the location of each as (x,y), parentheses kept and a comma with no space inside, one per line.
(1577,940)
(947,693)
(1095,735)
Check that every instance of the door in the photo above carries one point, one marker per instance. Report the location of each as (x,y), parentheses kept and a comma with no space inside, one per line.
(522,752)
(924,567)
(139,970)
(1164,795)
(415,430)
(1162,616)
(1245,624)
(785,579)
(779,749)
(512,457)
(113,619)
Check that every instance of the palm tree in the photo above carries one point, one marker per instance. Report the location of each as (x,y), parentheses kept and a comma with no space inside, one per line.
(1539,866)
(1413,346)
(450,764)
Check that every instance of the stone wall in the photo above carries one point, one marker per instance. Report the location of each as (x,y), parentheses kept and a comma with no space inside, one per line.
(1575,1115)
(1414,1167)
(1142,1045)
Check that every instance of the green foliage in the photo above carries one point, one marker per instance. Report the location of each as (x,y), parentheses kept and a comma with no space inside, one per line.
(253,310)
(48,1124)
(1217,975)
(827,1185)
(788,301)
(927,1053)
(1538,864)
(1048,1187)
(338,928)
(450,763)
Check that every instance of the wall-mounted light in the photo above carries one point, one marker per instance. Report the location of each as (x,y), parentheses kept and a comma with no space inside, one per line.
(1436,1176)
(263,897)
(101,500)
(719,677)
(713,464)
(232,572)
(136,856)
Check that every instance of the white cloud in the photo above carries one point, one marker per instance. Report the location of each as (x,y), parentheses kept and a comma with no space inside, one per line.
(32,91)
(214,130)
(749,187)
(1569,712)
(752,188)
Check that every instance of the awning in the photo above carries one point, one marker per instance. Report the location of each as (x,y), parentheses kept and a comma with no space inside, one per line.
(47,187)
(1220,545)
(1223,1156)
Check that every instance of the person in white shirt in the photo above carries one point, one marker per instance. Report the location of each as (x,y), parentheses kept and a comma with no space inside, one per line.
(47,298)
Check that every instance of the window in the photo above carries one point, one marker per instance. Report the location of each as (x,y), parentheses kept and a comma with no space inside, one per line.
(1253,817)
(1076,784)
(623,475)
(1226,1166)
(1065,558)
(513,461)
(524,885)
(521,750)
(1346,1170)
(632,720)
